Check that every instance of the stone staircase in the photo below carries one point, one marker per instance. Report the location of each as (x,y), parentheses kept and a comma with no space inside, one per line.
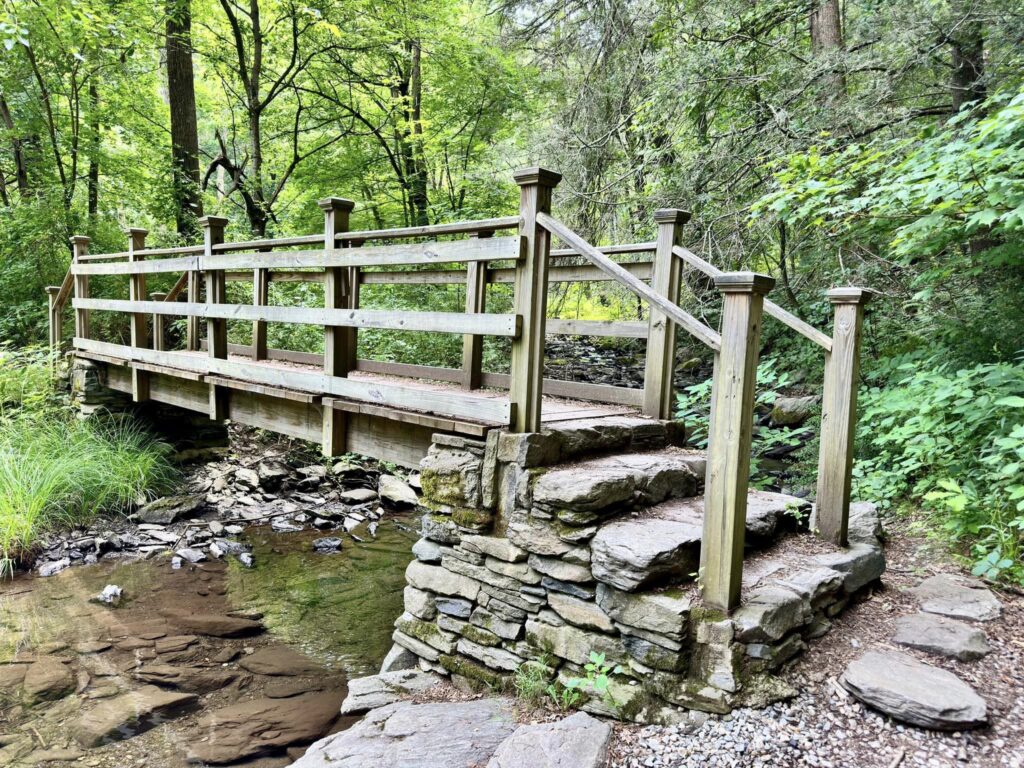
(543,548)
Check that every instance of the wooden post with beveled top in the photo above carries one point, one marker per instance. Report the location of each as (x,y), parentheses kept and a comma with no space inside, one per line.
(80,248)
(476,302)
(531,298)
(216,328)
(729,437)
(260,298)
(339,343)
(159,323)
(659,372)
(139,320)
(839,414)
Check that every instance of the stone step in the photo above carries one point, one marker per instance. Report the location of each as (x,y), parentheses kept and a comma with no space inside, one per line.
(662,544)
(587,491)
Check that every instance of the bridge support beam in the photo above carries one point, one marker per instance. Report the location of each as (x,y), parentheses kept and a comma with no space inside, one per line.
(729,437)
(531,298)
(839,414)
(659,373)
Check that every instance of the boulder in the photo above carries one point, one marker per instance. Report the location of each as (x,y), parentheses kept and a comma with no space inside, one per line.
(945,637)
(271,473)
(213,625)
(792,411)
(47,679)
(358,496)
(127,714)
(396,493)
(190,679)
(441,735)
(259,726)
(327,544)
(366,693)
(169,509)
(398,659)
(280,660)
(53,567)
(864,524)
(957,596)
(914,692)
(860,564)
(427,551)
(580,741)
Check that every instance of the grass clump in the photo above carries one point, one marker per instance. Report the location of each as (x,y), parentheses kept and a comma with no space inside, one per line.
(57,471)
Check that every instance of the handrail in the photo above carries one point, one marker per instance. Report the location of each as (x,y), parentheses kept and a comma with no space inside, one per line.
(454,228)
(708,336)
(770,307)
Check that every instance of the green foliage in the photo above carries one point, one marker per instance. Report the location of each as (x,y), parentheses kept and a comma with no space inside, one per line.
(953,441)
(531,680)
(567,695)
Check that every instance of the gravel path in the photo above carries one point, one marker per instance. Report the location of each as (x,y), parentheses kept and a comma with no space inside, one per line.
(824,726)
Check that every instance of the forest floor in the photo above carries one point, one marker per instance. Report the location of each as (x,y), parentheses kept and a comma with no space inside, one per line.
(824,726)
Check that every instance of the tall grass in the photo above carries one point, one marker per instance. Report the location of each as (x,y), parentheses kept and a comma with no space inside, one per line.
(57,471)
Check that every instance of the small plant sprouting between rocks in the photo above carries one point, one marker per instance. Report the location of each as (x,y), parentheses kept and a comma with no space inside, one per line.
(566,696)
(531,679)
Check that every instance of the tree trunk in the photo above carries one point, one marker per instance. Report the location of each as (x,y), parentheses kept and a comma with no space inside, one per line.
(181,96)
(417,165)
(17,149)
(968,81)
(826,21)
(94,150)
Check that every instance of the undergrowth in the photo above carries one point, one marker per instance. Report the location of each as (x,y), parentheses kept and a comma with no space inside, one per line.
(57,471)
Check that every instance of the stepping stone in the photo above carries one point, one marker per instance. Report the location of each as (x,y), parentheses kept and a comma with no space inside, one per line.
(949,594)
(280,661)
(396,493)
(946,637)
(171,508)
(260,726)
(438,735)
(123,716)
(580,741)
(191,679)
(213,625)
(375,691)
(48,678)
(914,692)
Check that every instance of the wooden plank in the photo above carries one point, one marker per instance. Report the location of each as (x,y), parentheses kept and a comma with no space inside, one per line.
(436,423)
(409,370)
(694,326)
(245,386)
(434,322)
(575,390)
(839,414)
(168,371)
(260,298)
(269,243)
(156,266)
(337,340)
(473,343)
(283,416)
(770,307)
(101,358)
(433,230)
(729,438)
(388,440)
(139,326)
(610,250)
(80,249)
(622,329)
(660,364)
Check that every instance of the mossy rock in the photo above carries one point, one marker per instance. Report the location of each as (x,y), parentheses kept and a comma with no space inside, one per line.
(485,678)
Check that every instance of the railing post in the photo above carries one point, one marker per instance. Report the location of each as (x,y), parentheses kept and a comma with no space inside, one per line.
(159,323)
(476,302)
(659,372)
(531,298)
(53,316)
(260,297)
(80,248)
(192,292)
(839,414)
(139,320)
(339,342)
(729,437)
(216,328)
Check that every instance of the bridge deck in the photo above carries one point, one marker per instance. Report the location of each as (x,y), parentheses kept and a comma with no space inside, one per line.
(402,435)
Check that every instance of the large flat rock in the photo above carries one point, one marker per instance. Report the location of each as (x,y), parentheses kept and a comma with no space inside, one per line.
(949,594)
(940,635)
(280,660)
(579,741)
(914,692)
(264,725)
(375,691)
(436,735)
(123,716)
(213,625)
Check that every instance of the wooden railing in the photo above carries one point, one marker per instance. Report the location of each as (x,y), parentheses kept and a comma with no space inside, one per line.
(342,261)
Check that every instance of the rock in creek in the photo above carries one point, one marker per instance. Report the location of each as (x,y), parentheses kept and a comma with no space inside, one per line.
(792,411)
(213,625)
(946,637)
(191,555)
(263,725)
(171,508)
(580,741)
(190,679)
(280,661)
(403,734)
(48,679)
(111,595)
(123,716)
(914,692)
(272,472)
(396,493)
(53,567)
(327,544)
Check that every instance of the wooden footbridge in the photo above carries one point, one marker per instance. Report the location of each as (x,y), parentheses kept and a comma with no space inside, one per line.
(391,410)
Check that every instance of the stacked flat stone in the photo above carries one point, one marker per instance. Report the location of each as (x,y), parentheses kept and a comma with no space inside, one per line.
(546,547)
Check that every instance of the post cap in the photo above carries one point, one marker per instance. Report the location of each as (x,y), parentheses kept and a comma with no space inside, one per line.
(744,282)
(52,289)
(537,175)
(213,222)
(671,216)
(336,204)
(80,239)
(850,295)
(133,231)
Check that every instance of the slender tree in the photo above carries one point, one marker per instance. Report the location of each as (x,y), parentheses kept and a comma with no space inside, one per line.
(181,97)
